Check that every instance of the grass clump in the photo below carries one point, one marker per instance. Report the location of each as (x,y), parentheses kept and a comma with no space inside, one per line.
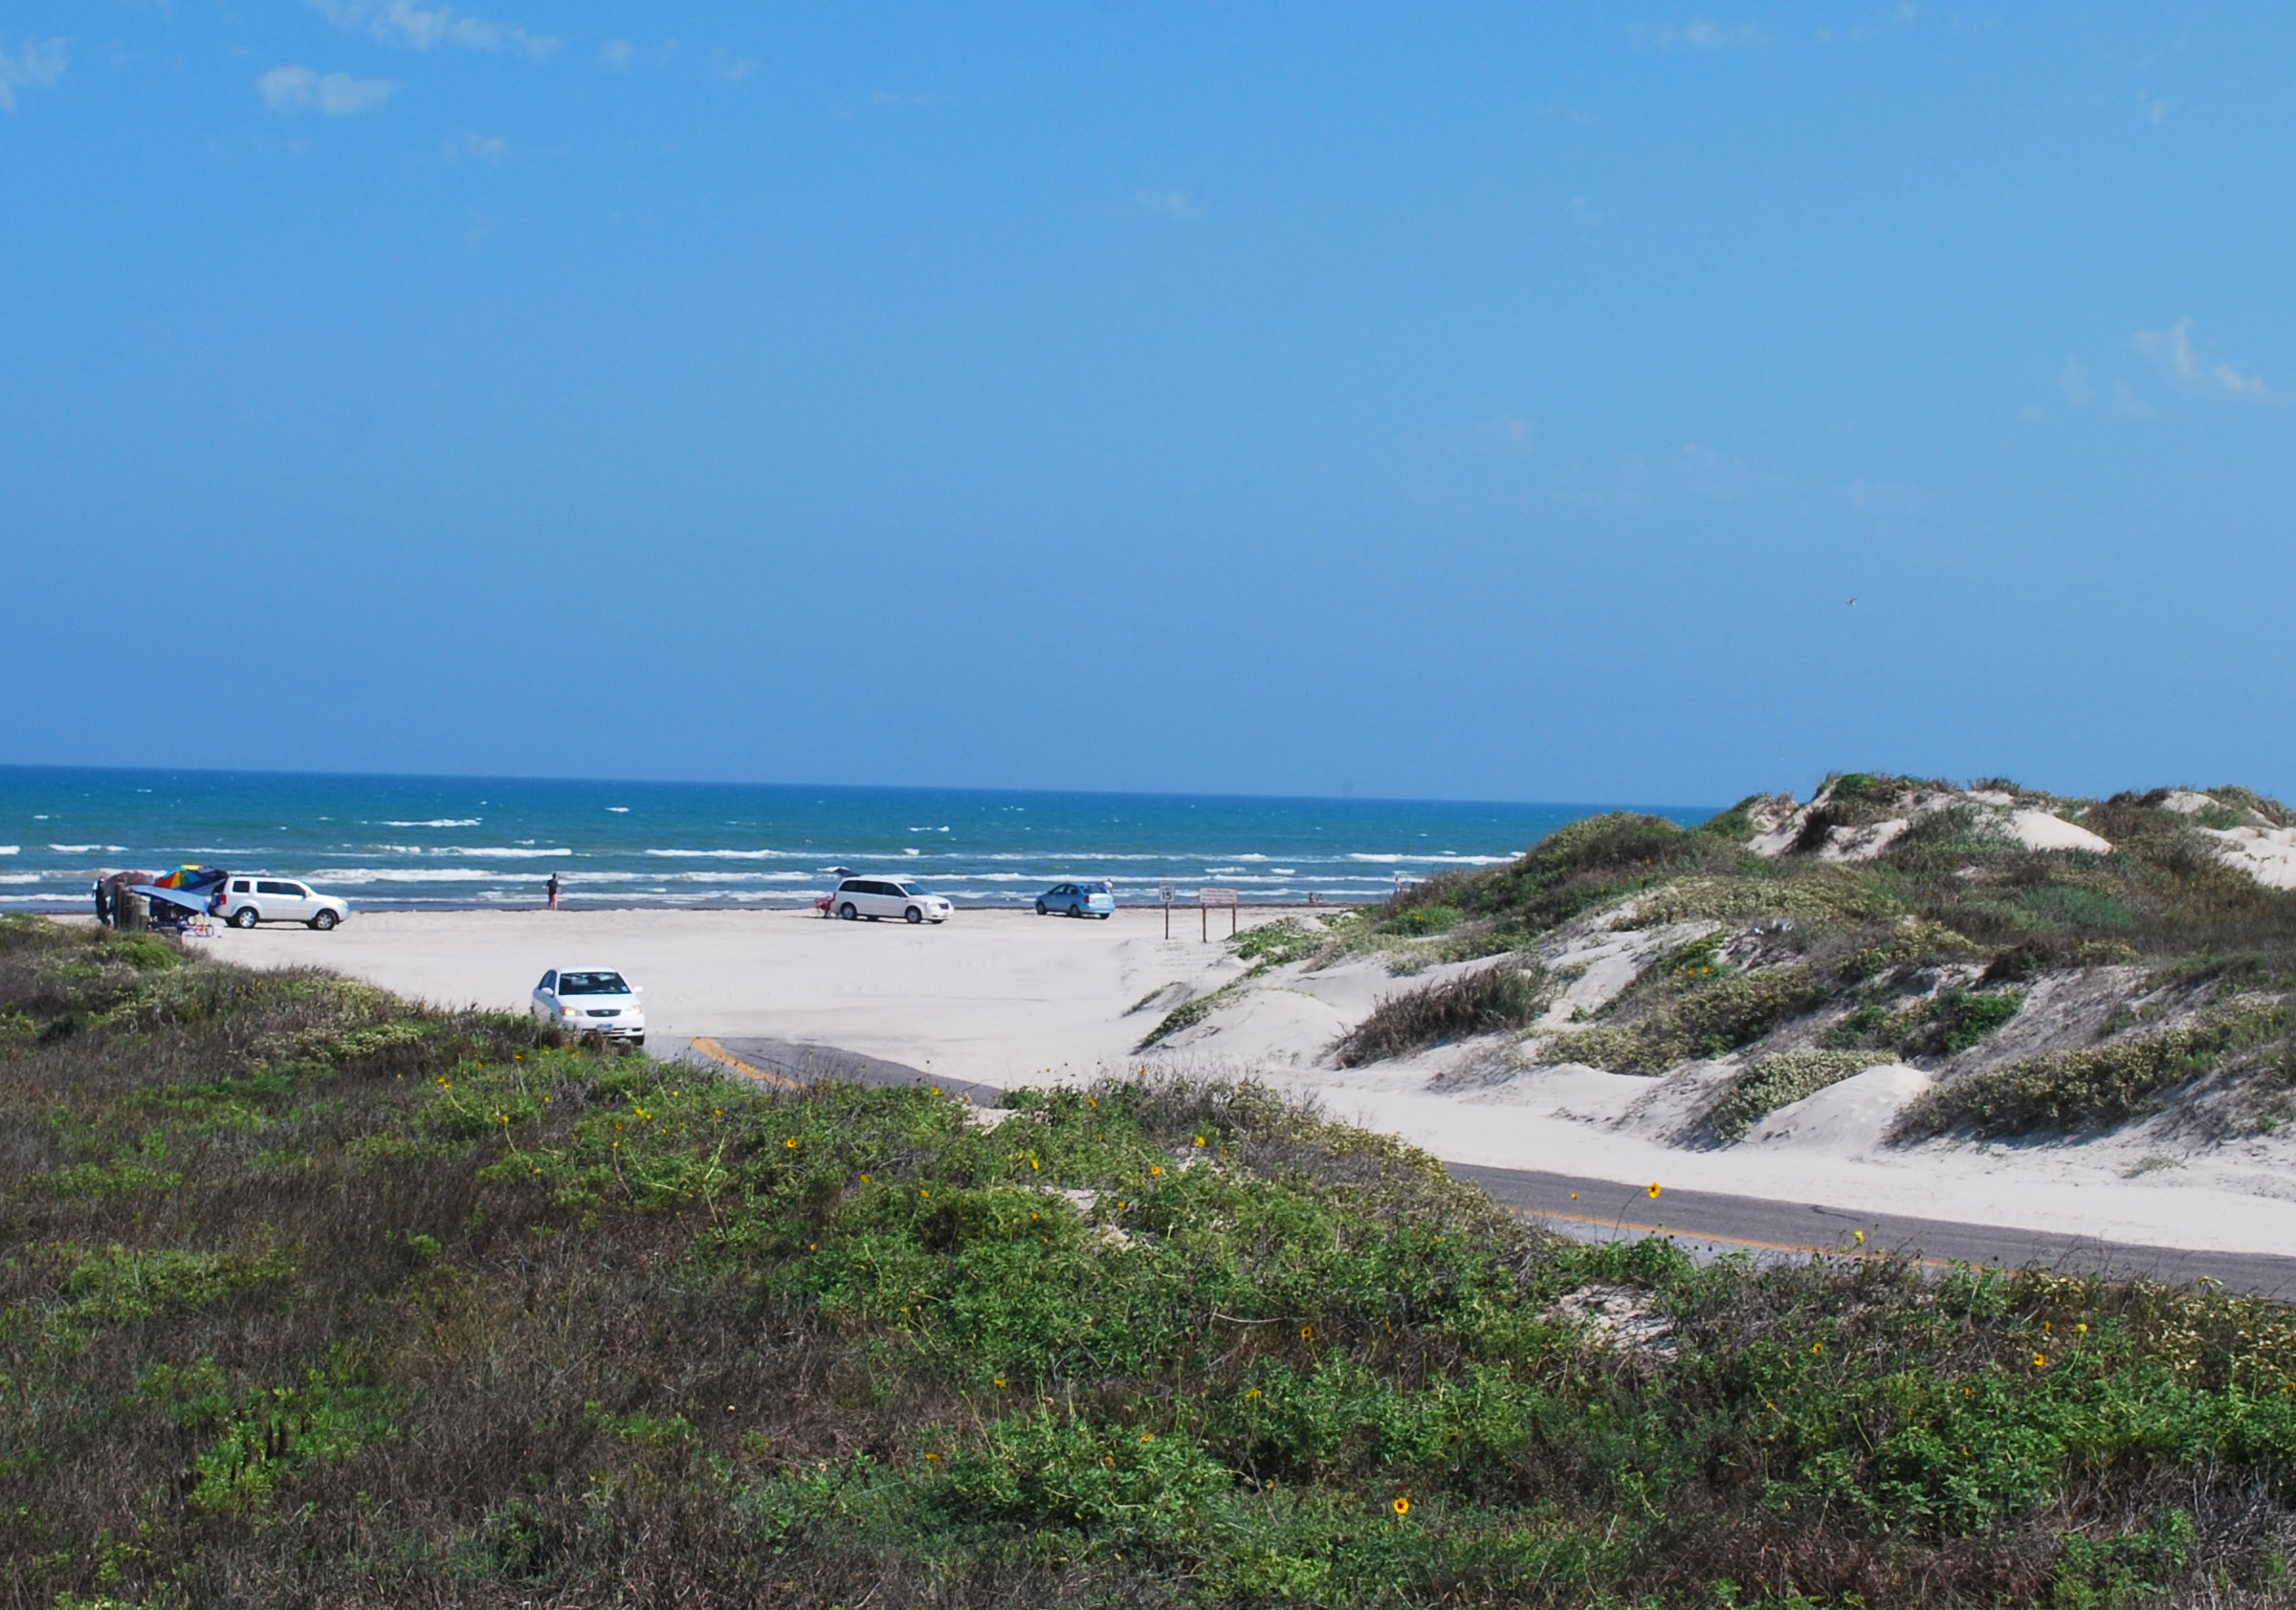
(532,1325)
(1184,1017)
(1270,945)
(1772,1082)
(2061,1092)
(1946,1024)
(1703,1016)
(1486,1002)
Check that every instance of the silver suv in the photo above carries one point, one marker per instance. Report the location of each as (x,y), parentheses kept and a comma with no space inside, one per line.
(250,901)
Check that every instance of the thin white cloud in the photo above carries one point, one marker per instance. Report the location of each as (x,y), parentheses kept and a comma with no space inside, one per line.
(617,52)
(484,147)
(1175,205)
(732,68)
(2127,404)
(2075,381)
(404,22)
(1586,214)
(294,88)
(1638,483)
(1697,35)
(34,64)
(2171,349)
(1505,436)
(2155,109)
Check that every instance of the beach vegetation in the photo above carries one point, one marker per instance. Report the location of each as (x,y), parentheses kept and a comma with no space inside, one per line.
(539,1325)
(2093,1088)
(1489,1000)
(1673,1019)
(1768,1083)
(1185,1015)
(1926,945)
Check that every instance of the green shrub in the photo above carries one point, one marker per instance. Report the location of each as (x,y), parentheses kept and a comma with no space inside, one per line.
(1050,1470)
(1274,944)
(1480,1002)
(327,1419)
(2063,1091)
(1419,922)
(1713,1018)
(1777,1081)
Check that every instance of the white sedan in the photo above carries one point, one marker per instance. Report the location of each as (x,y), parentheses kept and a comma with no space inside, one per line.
(595,1002)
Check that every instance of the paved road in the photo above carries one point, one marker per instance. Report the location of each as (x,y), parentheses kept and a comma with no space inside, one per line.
(1705,1223)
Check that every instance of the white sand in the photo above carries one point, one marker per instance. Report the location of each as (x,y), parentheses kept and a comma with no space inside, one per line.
(1010,997)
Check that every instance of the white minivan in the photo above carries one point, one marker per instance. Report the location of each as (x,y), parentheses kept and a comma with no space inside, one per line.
(250,901)
(903,897)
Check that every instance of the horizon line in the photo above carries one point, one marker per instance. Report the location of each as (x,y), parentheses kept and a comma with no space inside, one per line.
(877,787)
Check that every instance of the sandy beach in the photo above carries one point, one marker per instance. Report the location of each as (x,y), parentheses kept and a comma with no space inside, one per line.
(1010,999)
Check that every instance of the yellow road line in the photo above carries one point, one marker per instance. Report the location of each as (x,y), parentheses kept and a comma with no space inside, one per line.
(724,1058)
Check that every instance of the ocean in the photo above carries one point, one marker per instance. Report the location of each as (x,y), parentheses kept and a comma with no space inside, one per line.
(449,842)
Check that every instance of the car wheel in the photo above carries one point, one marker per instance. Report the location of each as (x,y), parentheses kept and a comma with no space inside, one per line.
(1105,915)
(246,916)
(1040,908)
(913,915)
(637,1039)
(323,921)
(847,911)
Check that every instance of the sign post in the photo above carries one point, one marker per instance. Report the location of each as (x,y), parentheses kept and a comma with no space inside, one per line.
(1165,890)
(1208,896)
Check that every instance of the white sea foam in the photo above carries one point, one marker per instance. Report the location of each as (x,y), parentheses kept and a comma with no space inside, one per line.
(415,874)
(10,848)
(497,849)
(19,877)
(619,810)
(737,855)
(1442,860)
(721,876)
(438,821)
(88,849)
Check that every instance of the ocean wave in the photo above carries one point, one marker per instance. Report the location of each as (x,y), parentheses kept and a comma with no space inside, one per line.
(720,876)
(10,848)
(45,899)
(1445,860)
(437,822)
(416,874)
(619,810)
(88,849)
(19,877)
(737,854)
(509,854)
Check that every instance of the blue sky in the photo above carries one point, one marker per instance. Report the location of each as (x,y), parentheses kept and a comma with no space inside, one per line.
(1466,401)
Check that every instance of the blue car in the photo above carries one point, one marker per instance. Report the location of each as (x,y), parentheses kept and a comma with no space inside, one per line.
(1078,899)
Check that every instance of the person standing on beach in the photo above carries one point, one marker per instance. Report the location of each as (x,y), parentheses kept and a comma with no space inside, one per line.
(551,889)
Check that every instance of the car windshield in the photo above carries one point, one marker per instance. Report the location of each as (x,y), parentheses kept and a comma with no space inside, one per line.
(908,888)
(591,983)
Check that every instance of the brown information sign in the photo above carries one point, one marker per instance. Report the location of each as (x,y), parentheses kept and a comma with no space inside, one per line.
(1208,896)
